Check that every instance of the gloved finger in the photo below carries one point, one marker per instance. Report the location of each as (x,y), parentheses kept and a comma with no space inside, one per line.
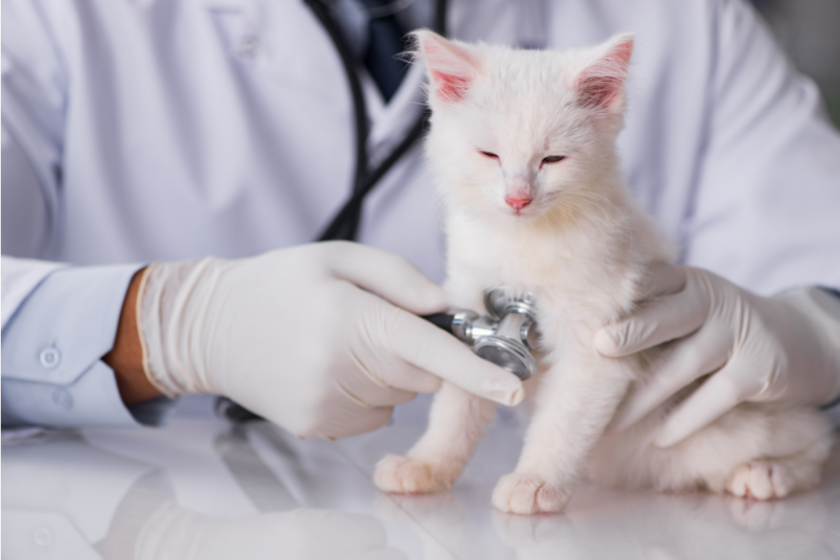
(429,348)
(350,419)
(383,378)
(663,319)
(719,394)
(385,274)
(369,395)
(408,377)
(386,380)
(691,358)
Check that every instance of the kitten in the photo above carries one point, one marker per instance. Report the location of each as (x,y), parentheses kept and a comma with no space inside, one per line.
(522,144)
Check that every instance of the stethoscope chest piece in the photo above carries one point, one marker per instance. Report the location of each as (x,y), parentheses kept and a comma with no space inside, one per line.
(505,336)
(515,334)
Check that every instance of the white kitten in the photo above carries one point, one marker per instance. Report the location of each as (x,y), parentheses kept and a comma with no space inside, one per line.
(522,143)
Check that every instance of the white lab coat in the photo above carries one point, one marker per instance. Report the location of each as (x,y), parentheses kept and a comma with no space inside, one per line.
(141,130)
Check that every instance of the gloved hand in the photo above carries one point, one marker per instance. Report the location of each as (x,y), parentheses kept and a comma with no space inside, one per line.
(784,348)
(304,338)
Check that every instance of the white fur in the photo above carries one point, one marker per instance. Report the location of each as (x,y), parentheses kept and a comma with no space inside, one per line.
(584,248)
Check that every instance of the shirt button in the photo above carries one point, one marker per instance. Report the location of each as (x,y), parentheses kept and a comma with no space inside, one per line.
(49,357)
(62,399)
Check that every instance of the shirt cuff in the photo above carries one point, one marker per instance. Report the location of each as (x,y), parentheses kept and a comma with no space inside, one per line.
(52,374)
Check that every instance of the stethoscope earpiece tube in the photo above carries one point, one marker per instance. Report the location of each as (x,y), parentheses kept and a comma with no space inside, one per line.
(345,223)
(441,320)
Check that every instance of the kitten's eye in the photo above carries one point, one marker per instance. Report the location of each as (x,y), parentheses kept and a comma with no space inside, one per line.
(490,155)
(553,159)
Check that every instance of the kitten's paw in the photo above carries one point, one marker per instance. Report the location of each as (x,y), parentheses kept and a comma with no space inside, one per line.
(762,480)
(409,476)
(528,494)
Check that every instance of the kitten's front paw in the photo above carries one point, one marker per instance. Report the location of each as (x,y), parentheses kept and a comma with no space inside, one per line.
(761,480)
(403,475)
(528,494)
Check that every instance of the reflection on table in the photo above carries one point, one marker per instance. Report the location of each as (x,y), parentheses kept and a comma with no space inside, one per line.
(203,489)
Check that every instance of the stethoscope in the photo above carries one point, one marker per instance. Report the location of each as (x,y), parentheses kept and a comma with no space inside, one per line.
(345,224)
(507,335)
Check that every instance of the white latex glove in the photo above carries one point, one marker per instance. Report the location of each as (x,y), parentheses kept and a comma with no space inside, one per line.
(293,336)
(784,348)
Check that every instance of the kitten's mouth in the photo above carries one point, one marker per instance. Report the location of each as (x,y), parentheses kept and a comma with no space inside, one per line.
(538,206)
(526,212)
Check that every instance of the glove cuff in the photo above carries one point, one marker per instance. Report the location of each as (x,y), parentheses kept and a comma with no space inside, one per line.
(171,305)
(143,320)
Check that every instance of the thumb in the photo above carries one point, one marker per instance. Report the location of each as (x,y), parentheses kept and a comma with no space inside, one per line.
(386,275)
(418,342)
(666,318)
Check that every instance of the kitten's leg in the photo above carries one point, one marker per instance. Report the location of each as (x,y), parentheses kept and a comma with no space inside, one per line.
(456,422)
(577,400)
(765,479)
(753,450)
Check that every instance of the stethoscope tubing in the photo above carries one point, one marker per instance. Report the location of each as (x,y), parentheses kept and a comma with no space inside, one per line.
(345,223)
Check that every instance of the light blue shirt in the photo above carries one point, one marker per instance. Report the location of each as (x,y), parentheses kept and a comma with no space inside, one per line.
(52,350)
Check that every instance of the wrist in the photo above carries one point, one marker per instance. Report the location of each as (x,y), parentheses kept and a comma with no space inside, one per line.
(822,310)
(126,356)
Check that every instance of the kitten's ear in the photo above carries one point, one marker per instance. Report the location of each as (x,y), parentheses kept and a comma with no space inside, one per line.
(601,84)
(452,68)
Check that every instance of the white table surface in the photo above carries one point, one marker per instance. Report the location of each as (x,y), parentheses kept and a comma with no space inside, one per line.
(200,488)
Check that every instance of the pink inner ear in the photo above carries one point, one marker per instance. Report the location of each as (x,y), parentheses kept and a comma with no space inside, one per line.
(450,68)
(448,87)
(601,84)
(595,92)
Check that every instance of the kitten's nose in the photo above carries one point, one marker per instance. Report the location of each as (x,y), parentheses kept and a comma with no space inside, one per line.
(518,202)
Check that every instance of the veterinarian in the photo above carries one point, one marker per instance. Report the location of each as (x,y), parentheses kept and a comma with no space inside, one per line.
(140,137)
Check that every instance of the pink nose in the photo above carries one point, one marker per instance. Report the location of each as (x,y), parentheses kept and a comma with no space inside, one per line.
(517,203)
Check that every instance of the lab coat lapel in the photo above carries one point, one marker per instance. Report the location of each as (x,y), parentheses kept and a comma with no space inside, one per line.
(391,123)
